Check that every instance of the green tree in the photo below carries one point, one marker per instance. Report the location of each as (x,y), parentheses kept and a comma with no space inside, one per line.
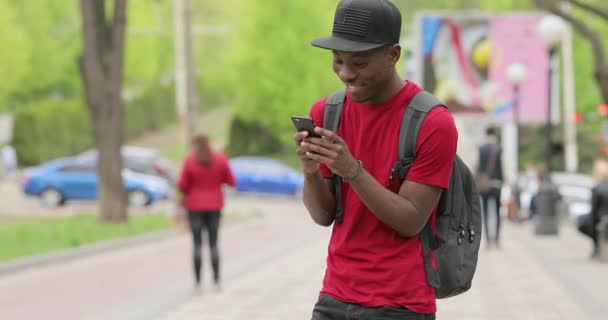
(52,31)
(590,22)
(14,55)
(275,71)
(149,43)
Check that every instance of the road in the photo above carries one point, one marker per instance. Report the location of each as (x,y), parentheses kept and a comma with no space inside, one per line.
(147,281)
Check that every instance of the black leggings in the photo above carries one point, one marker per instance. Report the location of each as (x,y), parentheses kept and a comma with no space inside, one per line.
(493,195)
(211,221)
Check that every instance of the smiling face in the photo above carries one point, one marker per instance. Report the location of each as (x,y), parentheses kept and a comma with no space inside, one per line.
(368,75)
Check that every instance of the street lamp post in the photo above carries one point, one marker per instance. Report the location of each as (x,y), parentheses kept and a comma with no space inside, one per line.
(516,74)
(551,29)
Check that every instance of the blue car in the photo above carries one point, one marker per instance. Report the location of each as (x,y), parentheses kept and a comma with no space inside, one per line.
(265,175)
(67,179)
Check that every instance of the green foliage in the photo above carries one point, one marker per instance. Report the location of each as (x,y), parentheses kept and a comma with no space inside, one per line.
(149,43)
(533,144)
(149,111)
(254,138)
(51,129)
(588,95)
(217,82)
(58,128)
(53,32)
(409,7)
(275,71)
(263,64)
(14,55)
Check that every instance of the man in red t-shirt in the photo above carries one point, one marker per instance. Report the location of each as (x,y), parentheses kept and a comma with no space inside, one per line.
(375,267)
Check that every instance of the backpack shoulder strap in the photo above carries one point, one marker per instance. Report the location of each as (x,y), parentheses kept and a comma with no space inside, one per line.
(419,107)
(414,115)
(331,121)
(333,110)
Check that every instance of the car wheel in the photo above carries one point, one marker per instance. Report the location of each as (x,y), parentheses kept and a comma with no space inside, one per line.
(139,198)
(52,197)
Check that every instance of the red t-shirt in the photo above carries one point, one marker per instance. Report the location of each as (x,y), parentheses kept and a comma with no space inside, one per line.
(368,263)
(202,184)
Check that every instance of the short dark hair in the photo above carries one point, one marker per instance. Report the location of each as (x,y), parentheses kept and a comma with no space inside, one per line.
(490,131)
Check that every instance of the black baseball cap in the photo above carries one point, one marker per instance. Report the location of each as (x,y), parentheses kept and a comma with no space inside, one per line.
(361,25)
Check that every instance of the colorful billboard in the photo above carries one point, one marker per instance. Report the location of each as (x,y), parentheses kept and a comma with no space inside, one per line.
(462,59)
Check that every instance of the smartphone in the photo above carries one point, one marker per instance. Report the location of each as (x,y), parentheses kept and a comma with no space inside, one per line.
(305,124)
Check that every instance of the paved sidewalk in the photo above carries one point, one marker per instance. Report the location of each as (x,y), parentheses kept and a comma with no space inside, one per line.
(525,279)
(146,281)
(513,283)
(285,289)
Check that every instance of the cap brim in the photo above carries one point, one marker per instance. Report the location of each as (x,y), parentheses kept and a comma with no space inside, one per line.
(341,44)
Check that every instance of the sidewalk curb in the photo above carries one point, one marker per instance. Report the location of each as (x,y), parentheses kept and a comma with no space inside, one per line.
(22,264)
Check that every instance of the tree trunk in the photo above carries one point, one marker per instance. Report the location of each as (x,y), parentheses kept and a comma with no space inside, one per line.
(101,72)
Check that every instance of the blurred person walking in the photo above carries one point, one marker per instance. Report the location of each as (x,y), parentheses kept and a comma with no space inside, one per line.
(204,171)
(540,176)
(9,160)
(489,182)
(587,224)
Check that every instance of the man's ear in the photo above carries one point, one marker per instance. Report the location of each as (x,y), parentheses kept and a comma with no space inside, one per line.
(393,53)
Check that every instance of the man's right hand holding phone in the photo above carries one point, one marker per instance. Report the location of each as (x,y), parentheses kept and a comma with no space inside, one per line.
(309,166)
(317,193)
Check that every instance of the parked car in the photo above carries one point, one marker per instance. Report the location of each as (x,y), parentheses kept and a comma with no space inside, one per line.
(68,179)
(574,189)
(265,175)
(140,160)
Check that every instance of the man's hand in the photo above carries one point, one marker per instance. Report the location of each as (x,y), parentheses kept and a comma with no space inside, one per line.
(318,192)
(309,166)
(330,150)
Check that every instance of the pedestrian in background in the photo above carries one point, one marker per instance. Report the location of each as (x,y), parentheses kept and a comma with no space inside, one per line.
(490,179)
(587,224)
(204,171)
(9,160)
(540,177)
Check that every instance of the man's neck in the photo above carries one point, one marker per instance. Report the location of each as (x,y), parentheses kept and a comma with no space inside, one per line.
(394,86)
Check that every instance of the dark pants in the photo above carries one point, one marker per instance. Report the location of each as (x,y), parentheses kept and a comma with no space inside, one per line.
(492,195)
(328,308)
(211,221)
(587,227)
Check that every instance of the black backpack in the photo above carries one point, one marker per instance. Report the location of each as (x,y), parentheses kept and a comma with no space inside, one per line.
(455,244)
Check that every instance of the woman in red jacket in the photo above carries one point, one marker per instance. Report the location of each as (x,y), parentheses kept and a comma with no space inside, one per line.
(203,173)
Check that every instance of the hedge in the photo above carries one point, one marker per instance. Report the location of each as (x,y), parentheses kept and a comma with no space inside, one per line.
(57,128)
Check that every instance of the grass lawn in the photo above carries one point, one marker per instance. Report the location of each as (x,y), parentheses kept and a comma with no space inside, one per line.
(21,237)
